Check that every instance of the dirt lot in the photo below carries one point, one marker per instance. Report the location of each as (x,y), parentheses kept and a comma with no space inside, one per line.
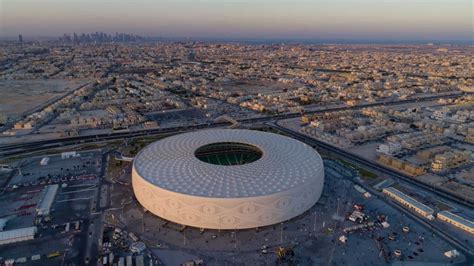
(18,96)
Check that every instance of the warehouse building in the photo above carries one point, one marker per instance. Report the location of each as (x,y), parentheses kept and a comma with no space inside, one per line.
(18,235)
(456,220)
(46,201)
(409,202)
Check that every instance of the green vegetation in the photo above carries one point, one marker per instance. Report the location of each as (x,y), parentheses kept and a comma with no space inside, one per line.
(442,206)
(137,144)
(229,159)
(364,173)
(114,167)
(367,174)
(397,186)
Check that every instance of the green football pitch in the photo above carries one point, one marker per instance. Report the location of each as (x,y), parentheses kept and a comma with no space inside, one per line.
(228,153)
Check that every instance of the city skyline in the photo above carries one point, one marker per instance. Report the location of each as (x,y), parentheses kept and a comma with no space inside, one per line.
(345,21)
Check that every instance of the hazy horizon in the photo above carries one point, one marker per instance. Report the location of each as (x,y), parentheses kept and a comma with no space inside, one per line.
(318,21)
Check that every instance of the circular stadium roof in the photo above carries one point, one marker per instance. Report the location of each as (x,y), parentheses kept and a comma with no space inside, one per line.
(223,169)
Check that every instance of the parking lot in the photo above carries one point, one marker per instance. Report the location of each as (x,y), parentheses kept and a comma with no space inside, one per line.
(31,172)
(62,234)
(19,208)
(314,235)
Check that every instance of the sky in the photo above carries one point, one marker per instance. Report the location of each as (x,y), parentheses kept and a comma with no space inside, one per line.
(390,20)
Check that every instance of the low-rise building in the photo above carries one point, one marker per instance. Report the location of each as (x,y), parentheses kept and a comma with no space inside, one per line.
(69,154)
(456,220)
(450,159)
(390,148)
(440,114)
(470,135)
(18,235)
(409,202)
(46,201)
(431,152)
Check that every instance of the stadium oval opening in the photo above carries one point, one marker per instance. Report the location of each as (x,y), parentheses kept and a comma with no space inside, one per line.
(228,153)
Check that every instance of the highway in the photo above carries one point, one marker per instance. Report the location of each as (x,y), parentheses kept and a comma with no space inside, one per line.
(18,148)
(365,163)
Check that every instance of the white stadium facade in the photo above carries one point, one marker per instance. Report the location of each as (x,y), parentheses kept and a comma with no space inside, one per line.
(227,178)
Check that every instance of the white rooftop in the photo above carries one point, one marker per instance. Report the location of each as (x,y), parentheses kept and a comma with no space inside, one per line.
(18,233)
(285,164)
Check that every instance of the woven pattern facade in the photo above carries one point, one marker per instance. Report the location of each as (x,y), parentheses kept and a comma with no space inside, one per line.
(171,183)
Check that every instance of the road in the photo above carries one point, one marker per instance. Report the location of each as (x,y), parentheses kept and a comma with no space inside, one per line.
(371,165)
(456,242)
(93,244)
(365,163)
(19,148)
(387,171)
(94,227)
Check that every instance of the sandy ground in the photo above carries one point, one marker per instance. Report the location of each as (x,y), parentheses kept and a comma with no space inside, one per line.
(19,96)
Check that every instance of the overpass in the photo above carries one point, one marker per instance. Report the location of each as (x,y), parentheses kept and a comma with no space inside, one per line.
(227,118)
(18,148)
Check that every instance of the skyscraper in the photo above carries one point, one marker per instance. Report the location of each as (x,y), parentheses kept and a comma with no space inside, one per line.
(20,38)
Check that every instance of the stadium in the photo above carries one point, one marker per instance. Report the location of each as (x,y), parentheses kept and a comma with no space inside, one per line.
(227,178)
